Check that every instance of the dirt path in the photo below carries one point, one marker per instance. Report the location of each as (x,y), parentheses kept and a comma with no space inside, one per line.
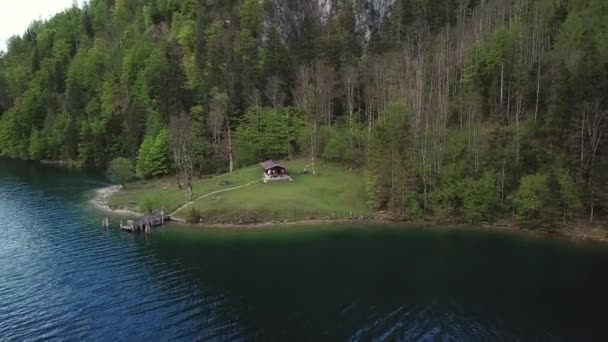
(210,194)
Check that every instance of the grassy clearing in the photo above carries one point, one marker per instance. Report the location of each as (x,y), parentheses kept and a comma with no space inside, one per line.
(336,192)
(163,192)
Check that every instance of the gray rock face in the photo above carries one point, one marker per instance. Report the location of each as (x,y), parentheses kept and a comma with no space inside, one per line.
(288,15)
(371,14)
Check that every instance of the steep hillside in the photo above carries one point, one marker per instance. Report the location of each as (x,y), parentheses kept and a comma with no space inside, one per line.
(462,111)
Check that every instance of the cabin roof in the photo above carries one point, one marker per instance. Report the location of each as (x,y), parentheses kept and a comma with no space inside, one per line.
(270,164)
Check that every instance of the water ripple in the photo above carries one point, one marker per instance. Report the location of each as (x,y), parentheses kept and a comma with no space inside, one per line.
(64,278)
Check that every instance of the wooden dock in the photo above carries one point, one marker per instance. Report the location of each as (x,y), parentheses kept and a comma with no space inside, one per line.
(145,224)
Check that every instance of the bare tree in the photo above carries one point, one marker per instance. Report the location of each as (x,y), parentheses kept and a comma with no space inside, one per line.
(217,115)
(274,91)
(254,99)
(350,83)
(218,122)
(313,118)
(324,82)
(301,87)
(379,79)
(369,94)
(305,96)
(539,46)
(180,129)
(230,149)
(594,124)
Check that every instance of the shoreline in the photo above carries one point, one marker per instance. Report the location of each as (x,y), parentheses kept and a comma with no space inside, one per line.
(576,233)
(101,201)
(569,234)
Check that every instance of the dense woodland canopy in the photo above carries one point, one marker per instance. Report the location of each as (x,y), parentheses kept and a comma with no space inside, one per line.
(457,110)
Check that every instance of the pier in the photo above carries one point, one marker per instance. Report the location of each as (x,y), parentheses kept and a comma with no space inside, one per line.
(145,224)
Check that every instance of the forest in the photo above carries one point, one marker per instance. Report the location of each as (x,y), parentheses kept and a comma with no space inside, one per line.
(455,110)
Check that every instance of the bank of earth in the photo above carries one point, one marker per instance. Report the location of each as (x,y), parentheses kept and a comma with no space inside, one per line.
(336,194)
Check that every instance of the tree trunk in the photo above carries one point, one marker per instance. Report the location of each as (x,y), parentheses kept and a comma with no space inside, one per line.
(517,112)
(537,90)
(502,182)
(592,203)
(288,135)
(425,204)
(502,81)
(508,102)
(230,153)
(313,142)
(583,141)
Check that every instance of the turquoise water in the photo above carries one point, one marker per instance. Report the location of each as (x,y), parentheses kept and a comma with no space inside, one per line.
(63,277)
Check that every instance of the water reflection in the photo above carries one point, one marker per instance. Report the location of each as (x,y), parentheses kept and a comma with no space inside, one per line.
(409,284)
(63,277)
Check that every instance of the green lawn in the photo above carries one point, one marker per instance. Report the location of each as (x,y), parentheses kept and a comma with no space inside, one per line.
(336,192)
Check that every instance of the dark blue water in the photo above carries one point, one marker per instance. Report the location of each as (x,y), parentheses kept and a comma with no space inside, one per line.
(64,278)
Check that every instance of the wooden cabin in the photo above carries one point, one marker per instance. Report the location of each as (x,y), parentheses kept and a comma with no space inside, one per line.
(274,171)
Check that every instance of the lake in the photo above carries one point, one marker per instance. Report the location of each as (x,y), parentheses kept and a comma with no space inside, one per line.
(63,277)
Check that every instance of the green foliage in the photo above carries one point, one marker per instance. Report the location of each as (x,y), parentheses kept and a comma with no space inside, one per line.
(153,157)
(415,210)
(37,145)
(201,147)
(447,200)
(252,17)
(336,143)
(569,197)
(463,194)
(474,113)
(480,199)
(388,164)
(12,142)
(530,199)
(192,215)
(59,136)
(266,133)
(147,206)
(337,192)
(144,167)
(120,171)
(154,124)
(343,143)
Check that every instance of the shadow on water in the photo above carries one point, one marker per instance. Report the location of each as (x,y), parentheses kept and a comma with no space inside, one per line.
(410,284)
(57,179)
(62,277)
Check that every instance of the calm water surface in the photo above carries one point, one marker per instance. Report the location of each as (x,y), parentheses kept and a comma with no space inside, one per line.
(62,277)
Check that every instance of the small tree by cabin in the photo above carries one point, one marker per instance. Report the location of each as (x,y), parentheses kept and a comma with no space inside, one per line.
(121,171)
(274,171)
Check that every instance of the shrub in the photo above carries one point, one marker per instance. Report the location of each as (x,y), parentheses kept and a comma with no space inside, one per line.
(479,198)
(447,199)
(120,171)
(37,145)
(343,143)
(153,156)
(192,215)
(147,205)
(568,194)
(266,133)
(460,198)
(530,199)
(414,209)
